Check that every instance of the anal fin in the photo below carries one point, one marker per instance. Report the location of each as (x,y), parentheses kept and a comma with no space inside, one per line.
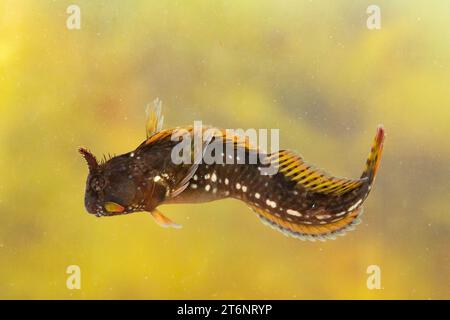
(311,232)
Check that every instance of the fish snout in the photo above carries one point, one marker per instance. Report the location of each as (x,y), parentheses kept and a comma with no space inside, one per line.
(91,205)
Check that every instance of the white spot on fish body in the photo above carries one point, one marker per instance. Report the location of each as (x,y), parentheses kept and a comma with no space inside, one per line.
(271,203)
(257,195)
(238,186)
(213,177)
(207,187)
(157,178)
(353,207)
(244,189)
(293,212)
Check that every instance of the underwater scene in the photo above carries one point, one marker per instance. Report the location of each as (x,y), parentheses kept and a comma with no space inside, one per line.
(344,90)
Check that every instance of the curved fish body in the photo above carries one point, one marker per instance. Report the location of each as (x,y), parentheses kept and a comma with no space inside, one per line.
(298,199)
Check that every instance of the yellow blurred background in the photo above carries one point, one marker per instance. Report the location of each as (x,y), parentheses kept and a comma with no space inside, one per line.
(311,68)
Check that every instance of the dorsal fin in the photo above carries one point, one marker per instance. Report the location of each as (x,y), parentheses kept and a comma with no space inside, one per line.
(159,136)
(155,118)
(216,133)
(295,169)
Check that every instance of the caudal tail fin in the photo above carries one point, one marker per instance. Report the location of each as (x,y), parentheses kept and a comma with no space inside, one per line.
(333,205)
(373,160)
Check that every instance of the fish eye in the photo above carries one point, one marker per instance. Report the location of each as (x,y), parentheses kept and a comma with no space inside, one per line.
(97,183)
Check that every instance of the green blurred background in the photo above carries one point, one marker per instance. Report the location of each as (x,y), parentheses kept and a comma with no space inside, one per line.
(310,68)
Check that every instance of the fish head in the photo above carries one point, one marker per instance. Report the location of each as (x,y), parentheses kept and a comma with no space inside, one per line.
(111,189)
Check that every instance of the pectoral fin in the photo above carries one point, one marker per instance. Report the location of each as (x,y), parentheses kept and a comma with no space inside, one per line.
(184,183)
(163,221)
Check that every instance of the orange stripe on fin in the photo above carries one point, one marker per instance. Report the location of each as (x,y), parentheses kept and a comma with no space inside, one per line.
(373,160)
(236,139)
(311,232)
(294,168)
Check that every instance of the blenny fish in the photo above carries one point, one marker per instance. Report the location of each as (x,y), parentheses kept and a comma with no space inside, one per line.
(299,200)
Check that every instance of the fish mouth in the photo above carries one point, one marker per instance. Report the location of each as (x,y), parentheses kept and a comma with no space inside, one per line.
(111,214)
(99,211)
(102,213)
